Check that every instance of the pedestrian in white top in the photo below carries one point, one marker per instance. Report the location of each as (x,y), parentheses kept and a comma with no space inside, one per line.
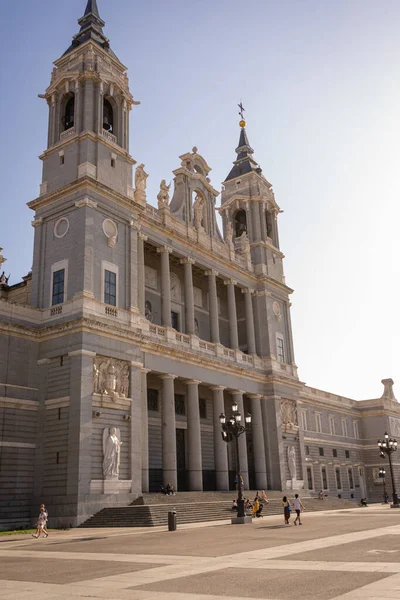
(298,507)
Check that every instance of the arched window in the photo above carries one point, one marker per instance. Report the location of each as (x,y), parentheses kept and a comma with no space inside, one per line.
(68,118)
(269,221)
(108,116)
(240,222)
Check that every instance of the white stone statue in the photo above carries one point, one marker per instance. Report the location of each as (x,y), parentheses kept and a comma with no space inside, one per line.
(291,455)
(140,184)
(198,209)
(163,194)
(111,453)
(111,380)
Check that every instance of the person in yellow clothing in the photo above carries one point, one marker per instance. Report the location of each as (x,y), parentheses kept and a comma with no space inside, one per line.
(256,506)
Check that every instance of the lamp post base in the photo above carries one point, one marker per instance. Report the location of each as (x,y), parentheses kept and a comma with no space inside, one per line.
(241,520)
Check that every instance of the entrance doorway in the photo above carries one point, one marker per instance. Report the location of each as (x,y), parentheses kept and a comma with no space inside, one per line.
(362,481)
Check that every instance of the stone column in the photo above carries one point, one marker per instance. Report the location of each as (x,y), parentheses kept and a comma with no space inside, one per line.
(165,251)
(189,297)
(255,214)
(100,107)
(237,396)
(136,426)
(194,437)
(257,429)
(220,447)
(141,280)
(250,331)
(169,431)
(79,462)
(145,432)
(263,215)
(232,315)
(213,299)
(134,271)
(88,105)
(275,229)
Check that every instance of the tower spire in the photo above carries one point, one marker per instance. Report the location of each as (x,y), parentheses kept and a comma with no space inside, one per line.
(92,8)
(91,29)
(245,162)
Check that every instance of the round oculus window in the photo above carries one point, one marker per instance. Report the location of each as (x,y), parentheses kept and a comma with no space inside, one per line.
(61,227)
(110,229)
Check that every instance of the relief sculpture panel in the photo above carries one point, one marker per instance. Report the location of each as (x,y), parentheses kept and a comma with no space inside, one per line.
(289,414)
(110,377)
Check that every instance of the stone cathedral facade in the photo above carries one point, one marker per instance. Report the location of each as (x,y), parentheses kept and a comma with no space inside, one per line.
(139,325)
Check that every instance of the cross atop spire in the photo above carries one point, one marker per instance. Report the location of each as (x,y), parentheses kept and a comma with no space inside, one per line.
(91,29)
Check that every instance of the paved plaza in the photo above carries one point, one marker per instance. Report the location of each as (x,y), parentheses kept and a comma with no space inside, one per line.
(341,555)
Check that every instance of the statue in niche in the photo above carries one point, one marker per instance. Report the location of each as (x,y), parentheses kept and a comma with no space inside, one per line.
(196,327)
(289,413)
(229,233)
(163,194)
(198,209)
(111,380)
(291,456)
(111,453)
(148,311)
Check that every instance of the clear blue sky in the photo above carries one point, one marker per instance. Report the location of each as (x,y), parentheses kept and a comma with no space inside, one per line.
(320,82)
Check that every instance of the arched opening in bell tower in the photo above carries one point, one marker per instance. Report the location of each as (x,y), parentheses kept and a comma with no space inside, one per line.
(108,116)
(68,111)
(240,222)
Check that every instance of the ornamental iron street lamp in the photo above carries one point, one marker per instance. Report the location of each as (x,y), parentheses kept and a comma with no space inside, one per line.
(382,475)
(232,429)
(387,447)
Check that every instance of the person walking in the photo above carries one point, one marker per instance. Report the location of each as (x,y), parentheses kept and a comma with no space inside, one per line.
(298,507)
(286,510)
(41,523)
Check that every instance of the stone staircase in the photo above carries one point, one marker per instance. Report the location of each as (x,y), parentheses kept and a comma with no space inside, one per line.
(151,510)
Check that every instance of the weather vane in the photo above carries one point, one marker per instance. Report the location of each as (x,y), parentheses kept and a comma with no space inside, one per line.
(242,110)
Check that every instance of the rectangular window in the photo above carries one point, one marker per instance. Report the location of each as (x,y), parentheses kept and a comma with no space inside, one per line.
(280,349)
(332,425)
(304,420)
(180,404)
(355,430)
(347,453)
(152,400)
(351,480)
(307,450)
(175,320)
(344,427)
(110,288)
(338,479)
(321,451)
(203,408)
(310,478)
(334,452)
(318,425)
(58,287)
(324,478)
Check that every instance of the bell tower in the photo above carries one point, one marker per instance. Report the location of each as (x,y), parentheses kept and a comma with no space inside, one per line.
(248,206)
(89,103)
(86,210)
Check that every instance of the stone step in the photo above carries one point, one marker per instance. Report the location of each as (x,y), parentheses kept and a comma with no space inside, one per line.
(195,512)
